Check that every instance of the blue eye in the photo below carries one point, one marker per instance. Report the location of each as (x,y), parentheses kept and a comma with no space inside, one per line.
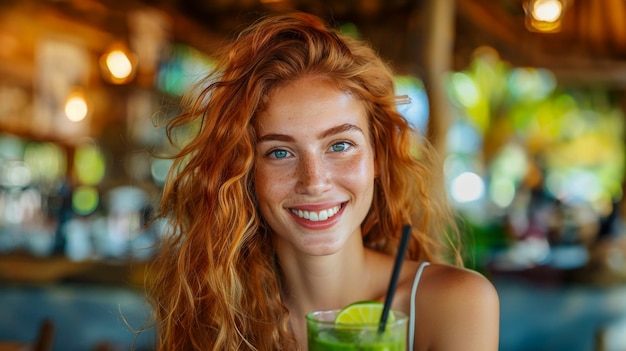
(339,147)
(278,153)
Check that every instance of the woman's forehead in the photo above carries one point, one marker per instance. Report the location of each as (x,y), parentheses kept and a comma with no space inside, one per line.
(309,100)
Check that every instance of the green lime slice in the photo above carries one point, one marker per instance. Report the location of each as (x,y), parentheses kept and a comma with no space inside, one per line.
(362,313)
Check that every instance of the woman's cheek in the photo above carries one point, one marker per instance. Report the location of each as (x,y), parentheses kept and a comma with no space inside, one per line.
(271,182)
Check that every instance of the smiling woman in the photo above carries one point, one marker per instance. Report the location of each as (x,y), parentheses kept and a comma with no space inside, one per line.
(291,199)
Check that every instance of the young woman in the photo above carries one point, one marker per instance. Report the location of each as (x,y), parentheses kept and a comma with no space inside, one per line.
(291,195)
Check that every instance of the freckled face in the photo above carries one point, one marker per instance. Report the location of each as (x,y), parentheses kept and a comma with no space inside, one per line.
(314,166)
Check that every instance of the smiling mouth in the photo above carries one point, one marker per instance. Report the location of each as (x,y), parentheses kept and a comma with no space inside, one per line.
(316,216)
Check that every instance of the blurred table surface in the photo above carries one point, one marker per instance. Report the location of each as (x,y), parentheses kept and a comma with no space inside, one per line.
(28,269)
(13,346)
(543,316)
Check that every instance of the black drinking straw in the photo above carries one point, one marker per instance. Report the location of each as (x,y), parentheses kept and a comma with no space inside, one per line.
(406,233)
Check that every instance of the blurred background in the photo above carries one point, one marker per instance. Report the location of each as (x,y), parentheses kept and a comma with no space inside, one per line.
(524,98)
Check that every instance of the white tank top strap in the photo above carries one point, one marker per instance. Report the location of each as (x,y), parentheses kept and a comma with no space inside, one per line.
(416,281)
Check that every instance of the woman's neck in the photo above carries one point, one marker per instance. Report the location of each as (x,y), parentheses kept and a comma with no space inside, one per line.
(325,282)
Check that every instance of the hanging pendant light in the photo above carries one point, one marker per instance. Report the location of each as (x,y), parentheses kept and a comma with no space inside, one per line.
(118,64)
(545,15)
(76,106)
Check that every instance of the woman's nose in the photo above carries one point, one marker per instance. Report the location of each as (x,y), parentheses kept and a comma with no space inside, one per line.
(313,177)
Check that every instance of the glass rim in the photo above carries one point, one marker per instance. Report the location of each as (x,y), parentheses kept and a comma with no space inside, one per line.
(400,318)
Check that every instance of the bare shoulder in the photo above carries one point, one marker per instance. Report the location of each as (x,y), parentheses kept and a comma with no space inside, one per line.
(449,281)
(461,308)
(459,292)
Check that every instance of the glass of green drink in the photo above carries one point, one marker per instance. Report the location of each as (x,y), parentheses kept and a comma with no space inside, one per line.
(326,333)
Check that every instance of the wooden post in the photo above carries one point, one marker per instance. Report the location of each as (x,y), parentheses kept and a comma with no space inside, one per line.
(437,57)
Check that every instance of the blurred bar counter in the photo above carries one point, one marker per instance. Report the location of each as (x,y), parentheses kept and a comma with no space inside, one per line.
(93,305)
(18,268)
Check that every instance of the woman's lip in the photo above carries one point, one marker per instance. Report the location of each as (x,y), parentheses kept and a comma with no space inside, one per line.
(318,225)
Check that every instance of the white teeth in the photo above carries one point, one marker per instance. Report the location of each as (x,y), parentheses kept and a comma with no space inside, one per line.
(317,216)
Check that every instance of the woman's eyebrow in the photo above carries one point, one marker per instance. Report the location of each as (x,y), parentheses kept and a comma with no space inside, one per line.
(347,127)
(275,137)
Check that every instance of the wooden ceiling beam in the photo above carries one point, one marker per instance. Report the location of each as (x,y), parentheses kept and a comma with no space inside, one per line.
(491,20)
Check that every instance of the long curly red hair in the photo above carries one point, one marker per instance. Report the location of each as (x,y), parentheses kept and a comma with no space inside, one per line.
(215,284)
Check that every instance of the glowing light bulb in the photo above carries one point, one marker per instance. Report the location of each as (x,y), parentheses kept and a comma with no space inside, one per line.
(547,10)
(76,108)
(119,64)
(545,16)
